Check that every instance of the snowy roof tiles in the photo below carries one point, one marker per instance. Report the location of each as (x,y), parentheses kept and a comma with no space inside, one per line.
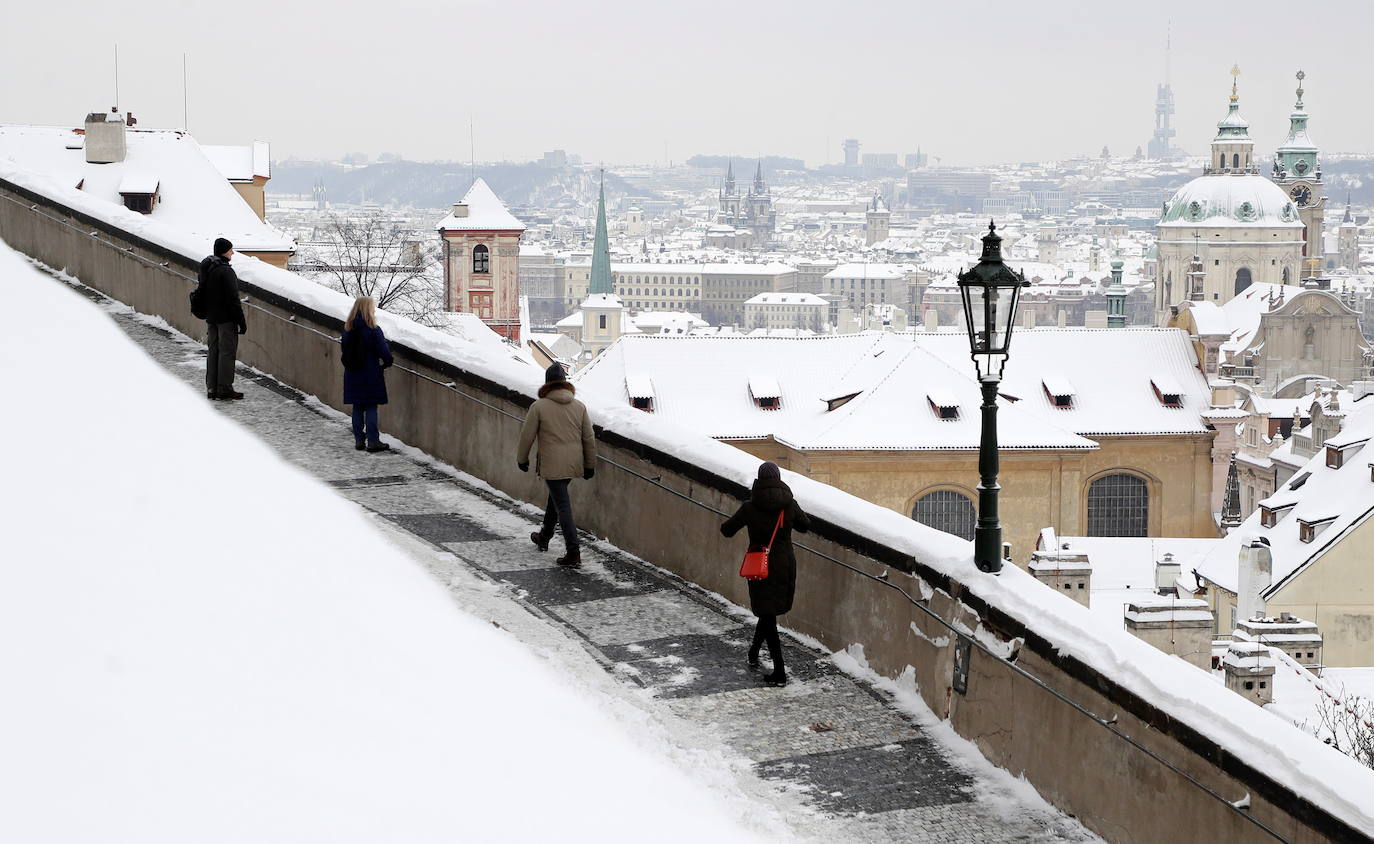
(1111,373)
(879,271)
(482,210)
(1329,500)
(722,385)
(196,197)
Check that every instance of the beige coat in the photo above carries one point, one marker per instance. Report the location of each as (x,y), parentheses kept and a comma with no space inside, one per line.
(563,429)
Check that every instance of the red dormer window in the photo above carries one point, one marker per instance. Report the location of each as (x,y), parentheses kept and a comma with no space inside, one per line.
(1167,393)
(1335,458)
(1058,391)
(943,407)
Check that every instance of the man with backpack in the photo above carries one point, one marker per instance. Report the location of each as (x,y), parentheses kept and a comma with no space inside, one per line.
(216,300)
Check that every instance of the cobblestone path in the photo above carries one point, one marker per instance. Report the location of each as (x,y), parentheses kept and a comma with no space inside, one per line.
(833,753)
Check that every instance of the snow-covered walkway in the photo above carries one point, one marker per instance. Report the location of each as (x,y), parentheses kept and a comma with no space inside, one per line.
(832,756)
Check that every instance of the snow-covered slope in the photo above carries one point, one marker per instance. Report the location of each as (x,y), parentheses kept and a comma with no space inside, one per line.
(201,643)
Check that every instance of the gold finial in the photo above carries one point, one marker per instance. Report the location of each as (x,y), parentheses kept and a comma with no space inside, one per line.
(1235,74)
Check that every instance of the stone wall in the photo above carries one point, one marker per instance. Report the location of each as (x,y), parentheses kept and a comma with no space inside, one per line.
(1108,769)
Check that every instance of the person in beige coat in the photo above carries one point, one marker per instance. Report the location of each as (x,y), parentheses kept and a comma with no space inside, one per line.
(567,449)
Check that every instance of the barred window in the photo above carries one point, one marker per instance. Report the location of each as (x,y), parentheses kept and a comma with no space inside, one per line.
(946,510)
(1118,505)
(481,259)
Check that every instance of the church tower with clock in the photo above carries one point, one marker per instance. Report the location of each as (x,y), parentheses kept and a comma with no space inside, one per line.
(1230,227)
(1299,173)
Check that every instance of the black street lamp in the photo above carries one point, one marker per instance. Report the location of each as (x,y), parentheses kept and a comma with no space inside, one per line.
(990,291)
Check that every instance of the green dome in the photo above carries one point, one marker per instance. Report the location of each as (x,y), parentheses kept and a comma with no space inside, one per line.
(1230,200)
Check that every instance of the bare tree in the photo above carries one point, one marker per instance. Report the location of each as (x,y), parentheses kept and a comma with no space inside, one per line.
(1347,725)
(375,256)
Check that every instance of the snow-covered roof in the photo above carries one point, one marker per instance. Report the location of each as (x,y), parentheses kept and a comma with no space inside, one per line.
(1340,499)
(241,163)
(602,301)
(1231,201)
(710,383)
(878,271)
(137,182)
(771,268)
(196,197)
(485,212)
(1111,372)
(1123,568)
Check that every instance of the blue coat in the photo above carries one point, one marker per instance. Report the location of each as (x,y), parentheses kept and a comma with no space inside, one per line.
(367,385)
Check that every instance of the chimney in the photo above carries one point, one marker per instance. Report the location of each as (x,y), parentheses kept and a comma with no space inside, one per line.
(1167,571)
(460,209)
(1249,671)
(105,138)
(1256,573)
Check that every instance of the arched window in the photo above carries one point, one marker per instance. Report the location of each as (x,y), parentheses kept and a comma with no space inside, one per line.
(1118,505)
(1243,279)
(1235,161)
(1285,275)
(946,510)
(481,259)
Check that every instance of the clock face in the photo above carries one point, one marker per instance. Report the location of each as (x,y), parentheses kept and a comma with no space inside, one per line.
(1301,194)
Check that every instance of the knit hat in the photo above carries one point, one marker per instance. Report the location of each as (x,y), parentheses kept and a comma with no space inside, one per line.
(555,373)
(222,245)
(770,471)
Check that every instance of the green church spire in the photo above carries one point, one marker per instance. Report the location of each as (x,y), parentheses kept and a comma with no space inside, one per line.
(601,249)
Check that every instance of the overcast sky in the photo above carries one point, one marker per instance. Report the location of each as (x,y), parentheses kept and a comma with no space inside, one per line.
(970,82)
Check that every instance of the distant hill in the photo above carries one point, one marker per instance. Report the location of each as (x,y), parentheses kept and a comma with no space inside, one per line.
(744,167)
(438,184)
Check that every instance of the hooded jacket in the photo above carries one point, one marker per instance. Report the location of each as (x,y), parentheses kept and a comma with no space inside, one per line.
(770,496)
(561,426)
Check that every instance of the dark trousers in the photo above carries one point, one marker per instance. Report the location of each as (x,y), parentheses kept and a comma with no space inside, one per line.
(767,631)
(223,340)
(365,422)
(559,512)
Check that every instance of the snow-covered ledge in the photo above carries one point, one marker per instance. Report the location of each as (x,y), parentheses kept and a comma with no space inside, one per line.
(1291,782)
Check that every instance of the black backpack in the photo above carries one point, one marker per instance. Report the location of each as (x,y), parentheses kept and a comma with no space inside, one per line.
(198,303)
(353,351)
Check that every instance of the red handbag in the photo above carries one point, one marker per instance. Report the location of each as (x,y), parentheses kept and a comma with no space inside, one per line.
(755,566)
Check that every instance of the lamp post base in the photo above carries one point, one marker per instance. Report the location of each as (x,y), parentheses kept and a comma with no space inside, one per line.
(987,535)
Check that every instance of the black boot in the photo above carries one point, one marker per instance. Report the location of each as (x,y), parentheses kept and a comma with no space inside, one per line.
(376,447)
(572,559)
(540,540)
(230,394)
(359,445)
(777,678)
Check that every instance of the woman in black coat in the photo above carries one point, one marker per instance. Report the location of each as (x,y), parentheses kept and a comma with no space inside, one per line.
(772,596)
(365,354)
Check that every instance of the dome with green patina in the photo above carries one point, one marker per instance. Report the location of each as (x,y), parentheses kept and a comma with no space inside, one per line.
(1230,200)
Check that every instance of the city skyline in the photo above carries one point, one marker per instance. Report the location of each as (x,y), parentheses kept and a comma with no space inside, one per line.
(770,79)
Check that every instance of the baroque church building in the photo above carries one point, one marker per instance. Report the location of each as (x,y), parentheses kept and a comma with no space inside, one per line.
(1232,227)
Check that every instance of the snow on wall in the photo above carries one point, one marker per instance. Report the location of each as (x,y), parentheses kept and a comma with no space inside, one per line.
(206,644)
(1291,757)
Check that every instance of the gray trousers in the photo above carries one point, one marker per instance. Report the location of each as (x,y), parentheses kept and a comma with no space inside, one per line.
(223,340)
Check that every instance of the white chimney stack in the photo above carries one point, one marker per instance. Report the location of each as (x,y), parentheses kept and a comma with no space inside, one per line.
(105,138)
(460,209)
(1256,573)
